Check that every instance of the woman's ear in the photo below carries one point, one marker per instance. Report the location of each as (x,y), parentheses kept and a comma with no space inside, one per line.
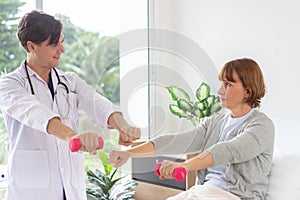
(247,94)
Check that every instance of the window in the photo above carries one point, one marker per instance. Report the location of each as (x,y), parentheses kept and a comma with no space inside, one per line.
(92,51)
(94,32)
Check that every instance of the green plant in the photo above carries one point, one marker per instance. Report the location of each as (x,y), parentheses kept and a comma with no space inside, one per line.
(105,187)
(206,105)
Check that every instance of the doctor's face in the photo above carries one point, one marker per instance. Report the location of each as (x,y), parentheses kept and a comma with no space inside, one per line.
(49,55)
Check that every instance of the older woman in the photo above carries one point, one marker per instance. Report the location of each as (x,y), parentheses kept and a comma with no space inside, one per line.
(235,148)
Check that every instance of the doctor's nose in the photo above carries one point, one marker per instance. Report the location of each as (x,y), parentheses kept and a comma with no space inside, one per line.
(62,48)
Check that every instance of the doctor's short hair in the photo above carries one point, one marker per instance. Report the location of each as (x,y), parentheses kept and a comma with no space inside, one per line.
(37,27)
(250,76)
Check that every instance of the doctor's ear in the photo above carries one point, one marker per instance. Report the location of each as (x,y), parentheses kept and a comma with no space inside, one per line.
(30,46)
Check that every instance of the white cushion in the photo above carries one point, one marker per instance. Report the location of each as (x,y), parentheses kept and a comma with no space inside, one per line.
(285,176)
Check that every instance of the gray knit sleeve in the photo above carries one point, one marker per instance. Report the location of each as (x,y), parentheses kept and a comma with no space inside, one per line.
(255,137)
(179,143)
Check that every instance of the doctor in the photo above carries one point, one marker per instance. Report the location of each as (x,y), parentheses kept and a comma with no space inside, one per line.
(40,106)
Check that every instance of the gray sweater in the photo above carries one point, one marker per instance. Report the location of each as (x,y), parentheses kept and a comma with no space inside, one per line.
(248,153)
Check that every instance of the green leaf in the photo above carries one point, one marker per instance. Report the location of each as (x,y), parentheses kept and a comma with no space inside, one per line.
(94,193)
(98,180)
(197,112)
(215,108)
(206,112)
(184,105)
(203,91)
(99,174)
(125,195)
(217,99)
(129,184)
(127,187)
(114,172)
(112,183)
(178,93)
(210,101)
(177,111)
(103,157)
(101,185)
(202,105)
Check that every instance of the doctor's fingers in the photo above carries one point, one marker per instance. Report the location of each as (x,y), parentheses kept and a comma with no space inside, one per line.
(132,132)
(89,141)
(124,139)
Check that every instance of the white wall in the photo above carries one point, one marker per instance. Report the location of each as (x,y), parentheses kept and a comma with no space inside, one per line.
(267,31)
(134,63)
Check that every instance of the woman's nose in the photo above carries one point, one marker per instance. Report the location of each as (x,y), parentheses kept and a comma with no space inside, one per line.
(221,90)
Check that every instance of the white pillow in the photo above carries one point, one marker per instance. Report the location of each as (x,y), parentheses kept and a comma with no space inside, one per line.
(285,176)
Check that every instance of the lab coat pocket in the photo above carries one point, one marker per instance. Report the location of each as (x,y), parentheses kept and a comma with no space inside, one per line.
(31,169)
(78,173)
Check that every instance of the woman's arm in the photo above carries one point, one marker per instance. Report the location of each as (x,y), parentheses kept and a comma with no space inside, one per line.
(202,161)
(143,150)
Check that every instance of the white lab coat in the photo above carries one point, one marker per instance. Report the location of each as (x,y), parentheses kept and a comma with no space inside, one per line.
(40,165)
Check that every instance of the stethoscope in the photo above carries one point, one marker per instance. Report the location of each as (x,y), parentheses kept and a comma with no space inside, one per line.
(59,83)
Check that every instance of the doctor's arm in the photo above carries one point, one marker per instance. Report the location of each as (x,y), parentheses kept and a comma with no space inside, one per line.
(128,133)
(89,141)
(102,111)
(57,128)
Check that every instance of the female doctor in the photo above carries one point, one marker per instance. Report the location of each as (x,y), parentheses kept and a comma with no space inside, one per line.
(40,106)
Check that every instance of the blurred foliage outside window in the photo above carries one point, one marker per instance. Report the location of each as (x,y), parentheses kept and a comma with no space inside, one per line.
(94,58)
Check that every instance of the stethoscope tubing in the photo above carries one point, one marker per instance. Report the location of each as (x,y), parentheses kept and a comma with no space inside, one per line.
(57,76)
(59,82)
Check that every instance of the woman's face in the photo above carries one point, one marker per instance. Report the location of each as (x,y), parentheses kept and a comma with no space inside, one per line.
(232,94)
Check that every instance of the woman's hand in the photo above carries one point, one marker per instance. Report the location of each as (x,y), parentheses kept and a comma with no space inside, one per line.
(167,169)
(118,158)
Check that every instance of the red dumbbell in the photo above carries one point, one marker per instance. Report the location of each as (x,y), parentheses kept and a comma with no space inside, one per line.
(179,173)
(74,144)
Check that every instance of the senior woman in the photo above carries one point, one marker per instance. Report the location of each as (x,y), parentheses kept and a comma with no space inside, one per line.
(235,147)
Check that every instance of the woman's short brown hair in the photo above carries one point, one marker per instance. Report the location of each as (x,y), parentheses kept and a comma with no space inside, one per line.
(250,75)
(37,27)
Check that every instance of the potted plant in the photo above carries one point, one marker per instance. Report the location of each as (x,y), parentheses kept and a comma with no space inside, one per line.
(206,104)
(104,185)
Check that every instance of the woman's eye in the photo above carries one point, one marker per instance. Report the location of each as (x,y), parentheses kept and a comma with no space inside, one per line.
(227,84)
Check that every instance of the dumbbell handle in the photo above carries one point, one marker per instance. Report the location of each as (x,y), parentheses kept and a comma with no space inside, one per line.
(179,173)
(74,144)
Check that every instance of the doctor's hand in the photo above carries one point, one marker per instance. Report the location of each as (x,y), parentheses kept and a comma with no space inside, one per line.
(128,134)
(118,158)
(88,142)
